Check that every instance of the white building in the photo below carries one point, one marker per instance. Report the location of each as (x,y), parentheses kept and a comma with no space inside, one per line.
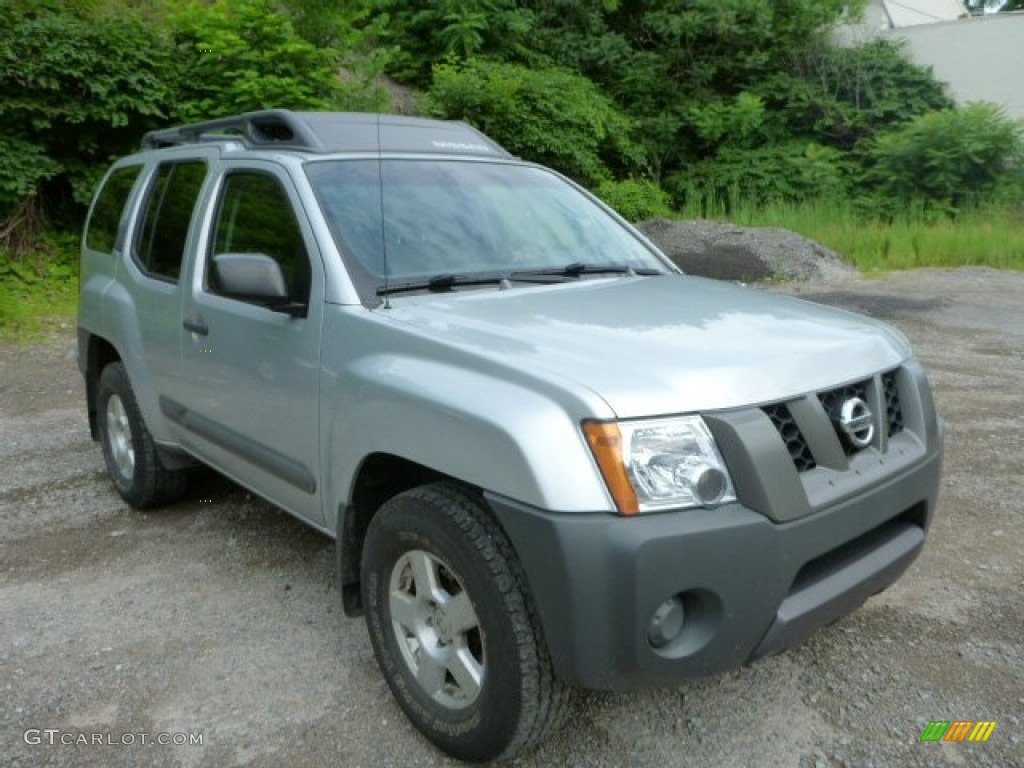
(980,58)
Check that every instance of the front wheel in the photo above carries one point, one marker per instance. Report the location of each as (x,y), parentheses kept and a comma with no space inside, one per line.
(454,628)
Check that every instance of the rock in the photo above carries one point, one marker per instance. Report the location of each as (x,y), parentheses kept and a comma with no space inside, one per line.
(726,251)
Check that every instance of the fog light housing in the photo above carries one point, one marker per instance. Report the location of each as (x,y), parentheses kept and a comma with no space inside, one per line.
(666,623)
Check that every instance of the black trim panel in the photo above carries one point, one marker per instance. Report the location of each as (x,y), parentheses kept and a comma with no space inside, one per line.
(840,582)
(267,459)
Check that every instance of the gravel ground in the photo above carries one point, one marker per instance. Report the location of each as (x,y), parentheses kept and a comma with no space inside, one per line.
(217,616)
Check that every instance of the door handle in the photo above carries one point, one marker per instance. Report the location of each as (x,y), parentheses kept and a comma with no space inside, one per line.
(196,325)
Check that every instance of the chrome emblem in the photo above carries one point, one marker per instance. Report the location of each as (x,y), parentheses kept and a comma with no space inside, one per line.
(857,422)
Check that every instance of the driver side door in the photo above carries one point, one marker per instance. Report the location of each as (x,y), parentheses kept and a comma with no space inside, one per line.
(254,371)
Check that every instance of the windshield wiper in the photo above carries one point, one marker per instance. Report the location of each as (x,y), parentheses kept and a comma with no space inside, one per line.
(577,268)
(438,283)
(447,281)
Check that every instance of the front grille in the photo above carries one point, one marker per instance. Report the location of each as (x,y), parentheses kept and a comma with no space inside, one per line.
(791,436)
(893,410)
(832,401)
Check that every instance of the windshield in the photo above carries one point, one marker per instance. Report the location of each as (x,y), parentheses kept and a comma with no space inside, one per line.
(407,220)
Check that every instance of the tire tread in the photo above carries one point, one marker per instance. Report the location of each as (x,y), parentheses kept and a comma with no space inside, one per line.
(545,698)
(154,485)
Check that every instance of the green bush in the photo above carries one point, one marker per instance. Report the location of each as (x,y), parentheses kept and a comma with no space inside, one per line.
(635,199)
(68,103)
(793,171)
(235,56)
(549,116)
(947,159)
(841,96)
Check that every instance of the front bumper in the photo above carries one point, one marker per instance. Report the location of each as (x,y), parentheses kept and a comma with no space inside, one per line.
(751,586)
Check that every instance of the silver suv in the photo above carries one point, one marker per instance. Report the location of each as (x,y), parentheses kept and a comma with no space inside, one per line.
(549,460)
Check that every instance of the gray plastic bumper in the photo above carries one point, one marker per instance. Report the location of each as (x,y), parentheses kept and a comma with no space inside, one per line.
(750,586)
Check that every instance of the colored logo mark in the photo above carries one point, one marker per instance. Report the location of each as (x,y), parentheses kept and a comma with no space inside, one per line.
(958,730)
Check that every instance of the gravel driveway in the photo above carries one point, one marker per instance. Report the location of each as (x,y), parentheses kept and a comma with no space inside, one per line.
(217,618)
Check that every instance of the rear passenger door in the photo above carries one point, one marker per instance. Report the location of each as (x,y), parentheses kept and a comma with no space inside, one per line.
(252,372)
(151,278)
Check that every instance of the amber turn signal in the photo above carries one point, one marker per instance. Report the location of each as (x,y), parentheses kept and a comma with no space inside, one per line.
(605,441)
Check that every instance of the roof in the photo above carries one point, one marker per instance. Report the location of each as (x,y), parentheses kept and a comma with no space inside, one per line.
(328,132)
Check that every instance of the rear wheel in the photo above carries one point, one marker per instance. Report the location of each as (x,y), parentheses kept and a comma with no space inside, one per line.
(128,448)
(454,628)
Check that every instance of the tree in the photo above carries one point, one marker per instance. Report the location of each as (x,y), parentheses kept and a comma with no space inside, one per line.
(240,55)
(947,159)
(424,33)
(550,116)
(68,105)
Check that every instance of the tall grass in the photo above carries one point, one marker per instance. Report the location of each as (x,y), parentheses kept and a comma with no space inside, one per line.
(990,236)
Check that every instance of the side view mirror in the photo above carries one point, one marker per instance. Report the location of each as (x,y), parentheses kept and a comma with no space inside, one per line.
(257,278)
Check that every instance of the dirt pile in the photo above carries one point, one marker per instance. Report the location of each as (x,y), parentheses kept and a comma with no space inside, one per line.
(726,251)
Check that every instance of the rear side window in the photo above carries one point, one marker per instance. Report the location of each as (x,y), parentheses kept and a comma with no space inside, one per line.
(172,197)
(105,221)
(256,216)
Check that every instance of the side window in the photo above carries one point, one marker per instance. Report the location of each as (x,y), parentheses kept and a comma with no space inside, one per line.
(255,216)
(172,197)
(105,219)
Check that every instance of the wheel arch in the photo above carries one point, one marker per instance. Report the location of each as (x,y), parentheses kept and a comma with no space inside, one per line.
(99,353)
(380,477)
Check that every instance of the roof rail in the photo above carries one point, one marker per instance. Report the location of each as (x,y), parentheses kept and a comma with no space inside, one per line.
(333,132)
(278,127)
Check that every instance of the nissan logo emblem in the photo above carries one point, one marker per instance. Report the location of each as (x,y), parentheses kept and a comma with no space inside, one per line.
(857,422)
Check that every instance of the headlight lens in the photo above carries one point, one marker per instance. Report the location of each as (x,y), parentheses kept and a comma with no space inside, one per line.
(660,464)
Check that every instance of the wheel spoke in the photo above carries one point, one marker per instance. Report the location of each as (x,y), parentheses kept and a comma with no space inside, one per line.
(430,675)
(467,672)
(119,436)
(460,614)
(403,609)
(437,629)
(424,573)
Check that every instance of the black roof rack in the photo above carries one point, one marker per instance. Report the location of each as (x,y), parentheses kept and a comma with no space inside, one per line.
(323,132)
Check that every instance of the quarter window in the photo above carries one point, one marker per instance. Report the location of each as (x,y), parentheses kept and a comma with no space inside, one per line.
(172,198)
(256,216)
(105,220)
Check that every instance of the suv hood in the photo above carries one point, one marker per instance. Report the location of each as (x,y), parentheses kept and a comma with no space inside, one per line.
(661,345)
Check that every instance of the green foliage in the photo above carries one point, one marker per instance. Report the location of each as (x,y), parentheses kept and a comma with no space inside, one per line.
(840,96)
(776,172)
(736,122)
(41,286)
(723,103)
(241,55)
(424,33)
(947,159)
(635,199)
(25,165)
(68,105)
(913,237)
(549,116)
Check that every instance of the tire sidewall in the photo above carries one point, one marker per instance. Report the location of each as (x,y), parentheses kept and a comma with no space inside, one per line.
(113,381)
(487,725)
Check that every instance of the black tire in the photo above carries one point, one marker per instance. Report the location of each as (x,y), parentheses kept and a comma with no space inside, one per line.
(128,448)
(445,530)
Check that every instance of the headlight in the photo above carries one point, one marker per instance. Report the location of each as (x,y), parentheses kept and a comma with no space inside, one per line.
(660,463)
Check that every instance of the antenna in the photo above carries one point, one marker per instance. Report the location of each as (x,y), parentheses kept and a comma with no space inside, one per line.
(383,239)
